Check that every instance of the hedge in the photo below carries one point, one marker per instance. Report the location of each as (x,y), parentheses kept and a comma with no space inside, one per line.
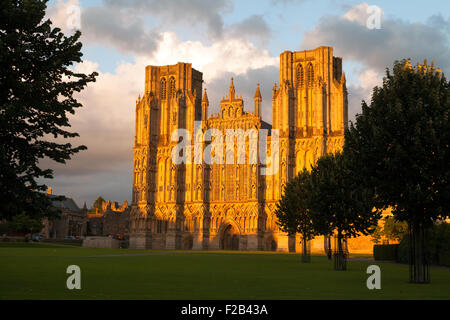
(444,258)
(385,252)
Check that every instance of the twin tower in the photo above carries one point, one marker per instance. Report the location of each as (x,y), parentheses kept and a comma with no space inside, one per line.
(230,206)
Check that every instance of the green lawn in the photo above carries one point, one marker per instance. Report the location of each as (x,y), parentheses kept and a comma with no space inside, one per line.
(39,272)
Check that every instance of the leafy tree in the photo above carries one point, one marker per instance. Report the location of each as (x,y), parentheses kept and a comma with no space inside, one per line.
(391,230)
(401,145)
(293,213)
(37,88)
(339,204)
(394,230)
(98,203)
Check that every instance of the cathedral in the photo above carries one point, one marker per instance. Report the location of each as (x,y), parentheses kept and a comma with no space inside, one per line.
(230,206)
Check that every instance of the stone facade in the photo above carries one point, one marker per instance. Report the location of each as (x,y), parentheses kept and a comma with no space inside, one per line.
(229,206)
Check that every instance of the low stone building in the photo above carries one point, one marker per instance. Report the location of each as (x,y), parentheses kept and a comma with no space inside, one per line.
(72,221)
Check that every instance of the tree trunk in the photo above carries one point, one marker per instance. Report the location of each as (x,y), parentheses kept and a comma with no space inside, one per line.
(339,256)
(329,253)
(306,257)
(418,266)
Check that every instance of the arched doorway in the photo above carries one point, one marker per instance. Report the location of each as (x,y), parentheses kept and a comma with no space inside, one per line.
(230,238)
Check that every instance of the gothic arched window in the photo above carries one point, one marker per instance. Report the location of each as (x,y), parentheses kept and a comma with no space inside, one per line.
(172,90)
(163,89)
(310,73)
(299,75)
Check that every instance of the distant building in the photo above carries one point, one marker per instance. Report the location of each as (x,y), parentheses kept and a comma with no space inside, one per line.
(112,219)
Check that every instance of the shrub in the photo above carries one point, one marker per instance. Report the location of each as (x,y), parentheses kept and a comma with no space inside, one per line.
(444,258)
(437,245)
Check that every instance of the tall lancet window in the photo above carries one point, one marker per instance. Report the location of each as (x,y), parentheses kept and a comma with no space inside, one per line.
(172,90)
(163,89)
(299,75)
(310,73)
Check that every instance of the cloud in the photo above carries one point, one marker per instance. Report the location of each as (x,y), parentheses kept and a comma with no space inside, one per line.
(377,49)
(122,30)
(361,13)
(253,27)
(228,55)
(122,24)
(187,12)
(438,21)
(62,14)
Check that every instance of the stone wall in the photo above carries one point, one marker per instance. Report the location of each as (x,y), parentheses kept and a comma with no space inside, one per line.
(101,242)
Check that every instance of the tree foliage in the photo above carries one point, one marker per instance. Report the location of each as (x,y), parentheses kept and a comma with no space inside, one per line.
(98,203)
(401,143)
(26,224)
(37,87)
(339,203)
(391,230)
(293,208)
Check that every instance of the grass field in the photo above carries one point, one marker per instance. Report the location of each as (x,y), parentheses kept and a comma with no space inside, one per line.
(38,271)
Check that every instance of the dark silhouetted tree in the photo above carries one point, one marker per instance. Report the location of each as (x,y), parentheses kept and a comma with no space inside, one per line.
(339,204)
(37,87)
(400,145)
(293,213)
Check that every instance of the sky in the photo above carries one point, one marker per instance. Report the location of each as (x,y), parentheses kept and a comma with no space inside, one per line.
(222,39)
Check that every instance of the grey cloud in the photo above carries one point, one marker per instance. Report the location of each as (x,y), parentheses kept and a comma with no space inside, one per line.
(87,188)
(379,48)
(192,12)
(104,169)
(356,95)
(105,153)
(253,27)
(438,21)
(112,26)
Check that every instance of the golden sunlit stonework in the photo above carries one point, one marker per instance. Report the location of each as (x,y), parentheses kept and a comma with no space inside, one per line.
(230,206)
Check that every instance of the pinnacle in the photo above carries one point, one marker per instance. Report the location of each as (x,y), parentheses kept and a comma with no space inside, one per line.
(257,93)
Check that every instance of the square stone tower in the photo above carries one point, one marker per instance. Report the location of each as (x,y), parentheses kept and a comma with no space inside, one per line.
(172,100)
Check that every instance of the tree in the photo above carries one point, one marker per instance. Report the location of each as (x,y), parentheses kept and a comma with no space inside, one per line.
(293,210)
(401,145)
(391,230)
(37,87)
(339,204)
(23,223)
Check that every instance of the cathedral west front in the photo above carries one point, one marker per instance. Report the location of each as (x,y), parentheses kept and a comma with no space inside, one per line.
(230,205)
